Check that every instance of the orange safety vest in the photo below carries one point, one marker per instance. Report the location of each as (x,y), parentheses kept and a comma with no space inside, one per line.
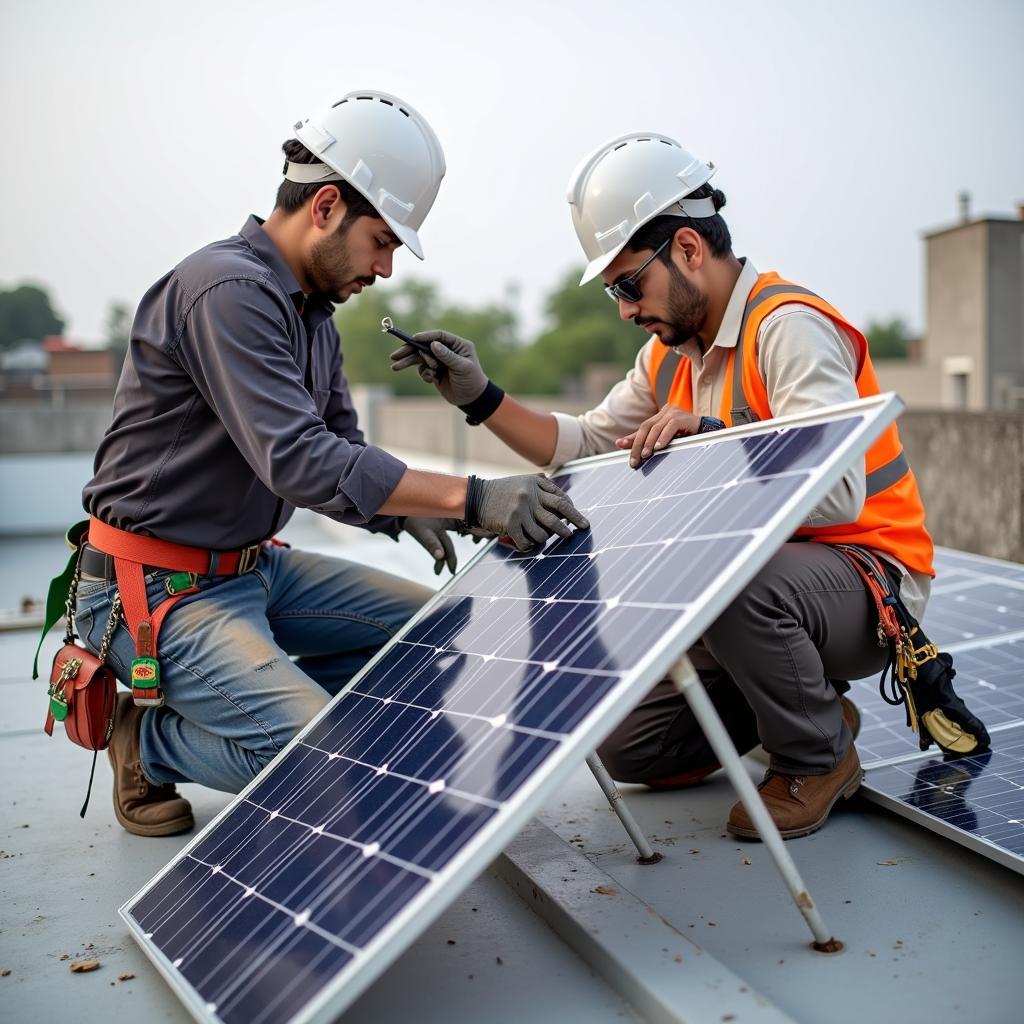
(892,519)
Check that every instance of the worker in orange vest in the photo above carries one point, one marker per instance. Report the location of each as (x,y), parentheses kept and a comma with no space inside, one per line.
(727,345)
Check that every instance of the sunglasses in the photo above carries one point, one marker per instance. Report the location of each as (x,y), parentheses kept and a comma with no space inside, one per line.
(628,289)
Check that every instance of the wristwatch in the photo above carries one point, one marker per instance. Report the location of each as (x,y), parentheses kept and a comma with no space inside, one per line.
(709,423)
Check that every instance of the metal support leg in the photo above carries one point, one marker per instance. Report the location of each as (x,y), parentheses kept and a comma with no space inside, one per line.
(611,791)
(689,684)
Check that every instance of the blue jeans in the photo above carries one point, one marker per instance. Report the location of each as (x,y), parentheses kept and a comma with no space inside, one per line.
(235,696)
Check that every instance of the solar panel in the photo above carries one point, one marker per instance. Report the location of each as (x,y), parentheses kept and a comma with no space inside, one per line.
(976,801)
(972,566)
(976,612)
(413,779)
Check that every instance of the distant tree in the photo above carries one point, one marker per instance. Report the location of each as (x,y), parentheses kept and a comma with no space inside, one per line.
(582,328)
(118,329)
(888,339)
(26,313)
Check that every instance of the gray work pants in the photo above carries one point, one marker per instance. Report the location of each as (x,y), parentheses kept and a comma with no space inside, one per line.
(774,665)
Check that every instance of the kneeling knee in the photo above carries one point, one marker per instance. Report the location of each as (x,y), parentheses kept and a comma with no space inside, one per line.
(625,763)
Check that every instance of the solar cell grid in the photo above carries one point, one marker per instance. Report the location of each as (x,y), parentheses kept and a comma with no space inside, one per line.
(971,565)
(523,662)
(977,801)
(975,609)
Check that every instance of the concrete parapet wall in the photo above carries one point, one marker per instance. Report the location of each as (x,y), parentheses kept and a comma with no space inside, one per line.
(970,465)
(970,468)
(430,426)
(31,427)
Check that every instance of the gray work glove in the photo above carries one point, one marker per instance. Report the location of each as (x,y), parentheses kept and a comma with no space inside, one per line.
(527,509)
(432,534)
(465,380)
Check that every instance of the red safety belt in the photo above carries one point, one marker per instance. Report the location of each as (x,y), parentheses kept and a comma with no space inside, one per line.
(131,553)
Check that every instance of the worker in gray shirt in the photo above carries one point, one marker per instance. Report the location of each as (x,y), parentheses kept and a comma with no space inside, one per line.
(231,411)
(727,345)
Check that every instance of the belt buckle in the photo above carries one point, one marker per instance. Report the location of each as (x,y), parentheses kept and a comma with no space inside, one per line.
(247,559)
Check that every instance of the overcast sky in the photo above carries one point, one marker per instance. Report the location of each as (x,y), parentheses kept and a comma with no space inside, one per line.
(135,132)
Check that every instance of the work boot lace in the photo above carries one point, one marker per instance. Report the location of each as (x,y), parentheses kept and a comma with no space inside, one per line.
(795,782)
(140,780)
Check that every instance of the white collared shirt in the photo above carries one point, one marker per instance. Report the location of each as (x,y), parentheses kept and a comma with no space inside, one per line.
(806,363)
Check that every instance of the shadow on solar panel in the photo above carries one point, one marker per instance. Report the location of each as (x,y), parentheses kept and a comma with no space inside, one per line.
(414,778)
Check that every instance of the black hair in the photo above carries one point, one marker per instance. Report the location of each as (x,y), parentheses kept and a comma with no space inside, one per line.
(293,195)
(713,230)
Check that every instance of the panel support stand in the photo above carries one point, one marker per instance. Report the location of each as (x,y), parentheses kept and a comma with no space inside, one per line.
(643,848)
(688,683)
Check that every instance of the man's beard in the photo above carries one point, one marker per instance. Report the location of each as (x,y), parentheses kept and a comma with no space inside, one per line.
(687,309)
(330,268)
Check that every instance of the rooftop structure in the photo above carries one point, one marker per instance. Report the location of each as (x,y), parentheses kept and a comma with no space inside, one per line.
(564,926)
(972,356)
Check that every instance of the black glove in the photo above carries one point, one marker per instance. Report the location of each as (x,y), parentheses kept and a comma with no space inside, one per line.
(432,534)
(528,509)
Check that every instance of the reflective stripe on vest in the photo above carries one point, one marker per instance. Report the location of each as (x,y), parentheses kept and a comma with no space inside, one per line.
(892,519)
(885,476)
(666,374)
(741,411)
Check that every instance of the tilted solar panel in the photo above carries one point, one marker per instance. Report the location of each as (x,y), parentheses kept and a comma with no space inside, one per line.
(365,827)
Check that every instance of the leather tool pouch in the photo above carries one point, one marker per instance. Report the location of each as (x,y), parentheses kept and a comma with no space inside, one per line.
(920,676)
(82,692)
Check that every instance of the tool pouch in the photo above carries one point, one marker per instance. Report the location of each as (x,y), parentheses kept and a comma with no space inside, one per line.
(82,692)
(917,674)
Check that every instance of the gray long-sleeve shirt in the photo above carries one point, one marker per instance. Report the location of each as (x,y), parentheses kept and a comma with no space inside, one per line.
(232,409)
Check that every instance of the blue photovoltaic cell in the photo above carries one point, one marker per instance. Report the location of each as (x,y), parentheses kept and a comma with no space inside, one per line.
(987,608)
(967,798)
(427,748)
(975,613)
(966,565)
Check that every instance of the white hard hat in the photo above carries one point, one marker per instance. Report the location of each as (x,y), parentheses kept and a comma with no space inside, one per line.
(627,182)
(382,148)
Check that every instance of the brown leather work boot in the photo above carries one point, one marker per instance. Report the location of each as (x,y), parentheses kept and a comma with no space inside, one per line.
(800,804)
(143,808)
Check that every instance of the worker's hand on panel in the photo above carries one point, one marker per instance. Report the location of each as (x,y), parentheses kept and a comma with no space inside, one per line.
(527,509)
(655,433)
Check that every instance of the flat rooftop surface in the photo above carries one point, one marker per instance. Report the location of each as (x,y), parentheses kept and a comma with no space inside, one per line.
(932,931)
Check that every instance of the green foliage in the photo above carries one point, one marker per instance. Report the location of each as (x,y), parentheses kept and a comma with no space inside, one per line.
(583,328)
(417,306)
(26,314)
(118,329)
(888,339)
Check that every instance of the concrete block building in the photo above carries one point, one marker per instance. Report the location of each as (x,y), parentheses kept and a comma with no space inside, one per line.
(972,356)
